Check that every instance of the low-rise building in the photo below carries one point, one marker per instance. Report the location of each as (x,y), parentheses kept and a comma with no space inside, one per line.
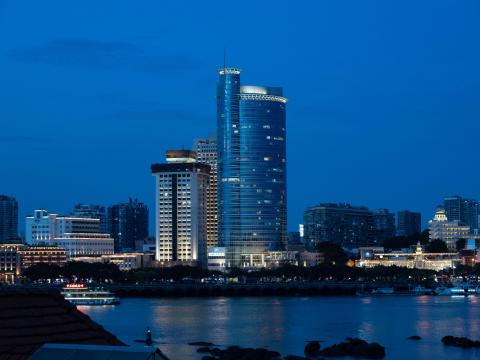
(469,257)
(15,258)
(130,261)
(216,258)
(79,236)
(269,259)
(418,259)
(10,264)
(124,261)
(311,258)
(36,254)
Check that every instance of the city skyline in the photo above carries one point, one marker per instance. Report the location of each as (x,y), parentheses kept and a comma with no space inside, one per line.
(63,101)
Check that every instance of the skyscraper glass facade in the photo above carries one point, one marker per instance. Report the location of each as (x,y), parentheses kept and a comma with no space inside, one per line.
(466,211)
(251,168)
(8,220)
(408,223)
(228,150)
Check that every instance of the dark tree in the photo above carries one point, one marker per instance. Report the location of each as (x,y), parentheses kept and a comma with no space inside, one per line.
(460,244)
(436,246)
(333,253)
(401,242)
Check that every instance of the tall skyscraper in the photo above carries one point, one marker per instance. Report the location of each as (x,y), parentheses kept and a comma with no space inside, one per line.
(251,135)
(408,223)
(206,150)
(384,225)
(180,223)
(466,211)
(8,220)
(128,223)
(91,211)
(343,224)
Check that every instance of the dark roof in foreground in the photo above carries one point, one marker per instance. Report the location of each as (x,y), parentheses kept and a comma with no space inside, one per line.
(96,352)
(30,318)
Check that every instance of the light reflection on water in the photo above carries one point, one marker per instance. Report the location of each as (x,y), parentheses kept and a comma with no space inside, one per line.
(284,324)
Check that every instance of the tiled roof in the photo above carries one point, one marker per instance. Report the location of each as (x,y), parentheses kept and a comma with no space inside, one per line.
(31,317)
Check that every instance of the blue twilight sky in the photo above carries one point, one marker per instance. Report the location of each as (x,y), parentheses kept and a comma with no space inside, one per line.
(384,100)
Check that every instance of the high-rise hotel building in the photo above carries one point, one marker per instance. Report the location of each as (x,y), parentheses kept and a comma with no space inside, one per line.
(206,150)
(251,135)
(180,217)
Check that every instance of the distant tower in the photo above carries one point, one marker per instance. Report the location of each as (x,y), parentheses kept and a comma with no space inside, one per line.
(408,223)
(128,224)
(181,187)
(466,211)
(206,150)
(251,133)
(91,211)
(8,220)
(384,225)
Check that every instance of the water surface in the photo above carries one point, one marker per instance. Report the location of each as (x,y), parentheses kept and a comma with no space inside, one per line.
(285,323)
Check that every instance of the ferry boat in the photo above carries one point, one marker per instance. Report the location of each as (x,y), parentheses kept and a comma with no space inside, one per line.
(459,290)
(80,294)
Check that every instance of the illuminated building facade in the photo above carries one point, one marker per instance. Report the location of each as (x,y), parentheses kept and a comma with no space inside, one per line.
(206,153)
(180,216)
(79,236)
(10,264)
(376,256)
(251,135)
(441,228)
(14,258)
(216,258)
(36,254)
(124,261)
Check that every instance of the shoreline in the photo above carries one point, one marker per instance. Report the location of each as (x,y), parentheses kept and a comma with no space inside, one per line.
(242,290)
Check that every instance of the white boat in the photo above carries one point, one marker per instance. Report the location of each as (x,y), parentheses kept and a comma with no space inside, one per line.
(421,290)
(443,291)
(80,294)
(383,291)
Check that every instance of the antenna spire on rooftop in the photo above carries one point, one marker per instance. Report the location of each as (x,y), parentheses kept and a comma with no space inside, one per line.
(224,58)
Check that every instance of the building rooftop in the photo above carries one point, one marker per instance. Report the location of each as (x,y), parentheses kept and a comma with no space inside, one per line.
(97,352)
(180,156)
(226,71)
(180,167)
(338,206)
(30,318)
(263,90)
